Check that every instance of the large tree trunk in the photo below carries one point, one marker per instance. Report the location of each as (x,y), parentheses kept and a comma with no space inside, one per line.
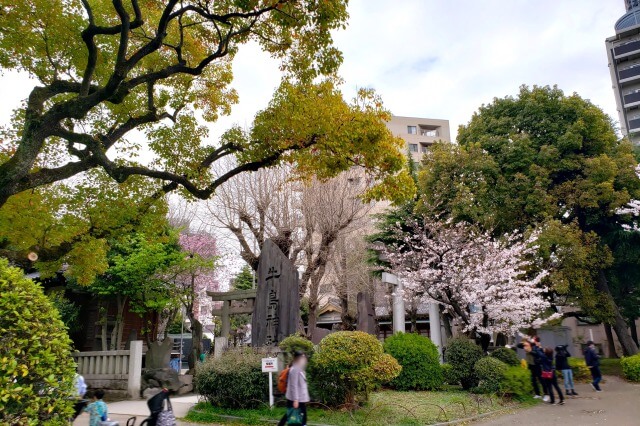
(196,344)
(634,330)
(345,317)
(104,310)
(619,324)
(313,318)
(610,343)
(446,322)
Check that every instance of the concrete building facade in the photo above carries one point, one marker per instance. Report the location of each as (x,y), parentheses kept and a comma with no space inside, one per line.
(623,51)
(419,133)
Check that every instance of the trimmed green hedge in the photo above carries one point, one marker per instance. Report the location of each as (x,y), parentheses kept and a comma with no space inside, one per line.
(516,382)
(462,354)
(347,366)
(490,372)
(631,367)
(235,380)
(296,342)
(506,355)
(419,359)
(37,371)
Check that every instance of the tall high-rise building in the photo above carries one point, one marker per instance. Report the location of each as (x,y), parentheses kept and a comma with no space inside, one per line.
(623,50)
(419,133)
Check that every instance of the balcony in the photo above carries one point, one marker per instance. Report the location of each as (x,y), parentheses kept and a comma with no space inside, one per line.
(629,74)
(634,125)
(632,99)
(626,49)
(429,133)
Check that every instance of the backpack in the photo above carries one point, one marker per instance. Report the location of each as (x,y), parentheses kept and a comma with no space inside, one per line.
(283,379)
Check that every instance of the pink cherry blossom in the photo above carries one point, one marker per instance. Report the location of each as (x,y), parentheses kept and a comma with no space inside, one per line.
(487,284)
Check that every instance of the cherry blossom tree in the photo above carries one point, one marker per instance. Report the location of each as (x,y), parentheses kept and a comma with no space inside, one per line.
(192,279)
(488,285)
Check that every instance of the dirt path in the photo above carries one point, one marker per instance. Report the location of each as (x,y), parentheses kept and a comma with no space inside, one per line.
(618,404)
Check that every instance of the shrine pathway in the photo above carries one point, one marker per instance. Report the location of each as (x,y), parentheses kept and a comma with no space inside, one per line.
(618,404)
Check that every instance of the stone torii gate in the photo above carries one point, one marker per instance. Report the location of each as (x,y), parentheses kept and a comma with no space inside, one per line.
(248,299)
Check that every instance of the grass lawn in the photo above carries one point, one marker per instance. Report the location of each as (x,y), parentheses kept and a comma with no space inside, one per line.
(384,408)
(611,367)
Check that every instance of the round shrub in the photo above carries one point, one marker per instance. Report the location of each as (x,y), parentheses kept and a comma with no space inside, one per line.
(581,373)
(462,354)
(447,375)
(36,368)
(235,380)
(419,359)
(296,342)
(516,382)
(347,366)
(506,355)
(490,372)
(631,367)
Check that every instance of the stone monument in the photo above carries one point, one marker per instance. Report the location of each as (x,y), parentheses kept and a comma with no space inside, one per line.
(366,314)
(276,311)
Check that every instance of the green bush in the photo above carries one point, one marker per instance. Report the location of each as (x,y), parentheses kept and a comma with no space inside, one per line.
(235,380)
(419,359)
(462,354)
(581,372)
(296,342)
(631,367)
(506,355)
(36,368)
(347,366)
(516,382)
(490,371)
(447,375)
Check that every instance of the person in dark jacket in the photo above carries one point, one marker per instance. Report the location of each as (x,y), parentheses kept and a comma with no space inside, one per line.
(534,367)
(562,364)
(549,378)
(592,359)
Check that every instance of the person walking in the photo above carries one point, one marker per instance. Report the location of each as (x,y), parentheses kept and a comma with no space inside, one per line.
(534,367)
(592,359)
(562,364)
(97,410)
(549,378)
(297,393)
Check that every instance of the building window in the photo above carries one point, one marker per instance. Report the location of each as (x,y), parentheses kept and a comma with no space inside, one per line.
(413,147)
(423,148)
(412,130)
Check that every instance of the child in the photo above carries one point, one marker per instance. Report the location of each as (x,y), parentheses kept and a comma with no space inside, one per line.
(97,409)
(562,364)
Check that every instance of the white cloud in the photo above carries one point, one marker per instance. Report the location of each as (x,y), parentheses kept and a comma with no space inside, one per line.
(442,59)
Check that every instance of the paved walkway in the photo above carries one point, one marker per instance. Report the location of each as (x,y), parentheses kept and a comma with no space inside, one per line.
(123,410)
(618,404)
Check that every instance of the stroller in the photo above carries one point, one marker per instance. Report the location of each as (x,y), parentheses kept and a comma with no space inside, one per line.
(156,405)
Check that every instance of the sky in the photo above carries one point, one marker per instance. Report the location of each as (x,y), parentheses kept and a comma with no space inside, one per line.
(440,58)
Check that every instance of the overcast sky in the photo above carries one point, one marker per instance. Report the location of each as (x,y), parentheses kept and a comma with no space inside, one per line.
(443,58)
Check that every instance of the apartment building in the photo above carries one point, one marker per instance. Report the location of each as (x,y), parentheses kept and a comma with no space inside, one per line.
(419,133)
(623,51)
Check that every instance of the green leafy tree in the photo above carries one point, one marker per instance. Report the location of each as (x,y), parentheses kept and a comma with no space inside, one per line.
(68,310)
(36,368)
(135,279)
(108,68)
(72,223)
(244,279)
(550,161)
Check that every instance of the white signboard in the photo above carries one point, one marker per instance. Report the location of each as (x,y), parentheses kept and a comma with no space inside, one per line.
(269,365)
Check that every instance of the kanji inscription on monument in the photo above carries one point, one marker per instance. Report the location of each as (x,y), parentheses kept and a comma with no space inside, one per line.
(277,309)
